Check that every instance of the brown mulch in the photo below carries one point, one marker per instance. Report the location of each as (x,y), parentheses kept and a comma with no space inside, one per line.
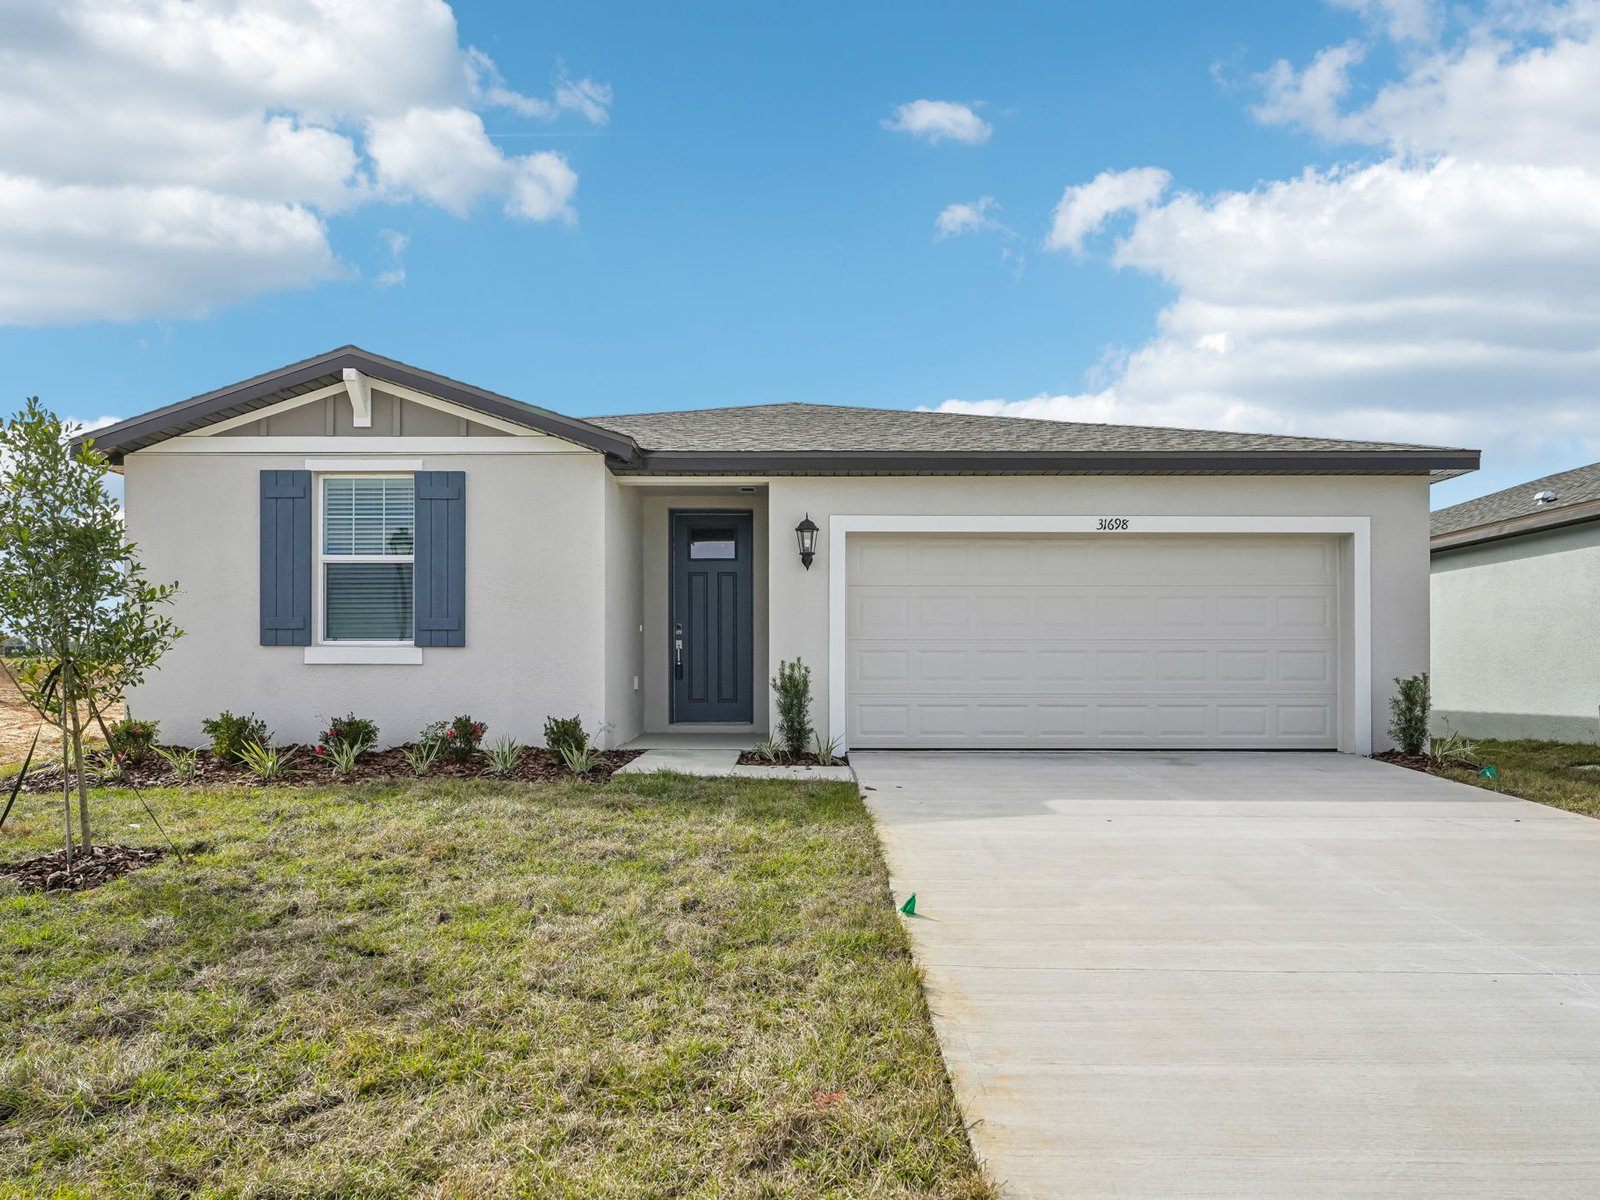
(751,759)
(49,873)
(310,769)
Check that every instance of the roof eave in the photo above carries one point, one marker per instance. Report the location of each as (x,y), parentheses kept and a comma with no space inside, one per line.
(1074,462)
(1510,527)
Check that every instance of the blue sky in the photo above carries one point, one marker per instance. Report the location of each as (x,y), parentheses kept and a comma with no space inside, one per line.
(730,219)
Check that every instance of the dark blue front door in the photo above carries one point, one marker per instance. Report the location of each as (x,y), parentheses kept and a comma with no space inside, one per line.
(711,652)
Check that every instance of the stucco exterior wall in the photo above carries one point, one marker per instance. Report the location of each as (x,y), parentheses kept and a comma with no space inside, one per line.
(536,611)
(624,609)
(1516,637)
(1397,506)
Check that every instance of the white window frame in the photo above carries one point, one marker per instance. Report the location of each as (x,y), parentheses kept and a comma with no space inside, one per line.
(320,640)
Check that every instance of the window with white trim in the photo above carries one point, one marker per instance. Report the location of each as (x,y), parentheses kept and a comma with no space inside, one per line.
(365,559)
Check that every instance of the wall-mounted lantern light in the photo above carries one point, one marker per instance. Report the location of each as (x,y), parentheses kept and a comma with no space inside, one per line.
(806,534)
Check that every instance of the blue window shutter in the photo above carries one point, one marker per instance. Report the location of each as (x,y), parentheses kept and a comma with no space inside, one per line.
(286,558)
(441,570)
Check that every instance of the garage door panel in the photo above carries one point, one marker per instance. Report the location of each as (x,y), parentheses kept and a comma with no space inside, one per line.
(1081,641)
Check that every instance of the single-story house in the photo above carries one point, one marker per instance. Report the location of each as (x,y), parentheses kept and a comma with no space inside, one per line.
(1516,640)
(352,533)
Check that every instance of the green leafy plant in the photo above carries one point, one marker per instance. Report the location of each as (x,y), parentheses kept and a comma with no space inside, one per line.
(133,739)
(108,767)
(503,756)
(1456,750)
(185,764)
(265,760)
(342,755)
(72,588)
(349,730)
(792,686)
(827,750)
(767,750)
(561,732)
(230,735)
(1409,710)
(458,738)
(580,760)
(421,757)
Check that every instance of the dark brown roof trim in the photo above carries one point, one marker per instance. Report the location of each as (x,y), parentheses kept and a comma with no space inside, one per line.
(199,411)
(1510,527)
(1072,462)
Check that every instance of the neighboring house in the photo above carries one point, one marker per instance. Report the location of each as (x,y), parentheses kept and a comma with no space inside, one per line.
(351,533)
(1516,630)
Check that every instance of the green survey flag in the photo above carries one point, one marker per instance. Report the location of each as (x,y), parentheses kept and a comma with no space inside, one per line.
(1489,772)
(909,908)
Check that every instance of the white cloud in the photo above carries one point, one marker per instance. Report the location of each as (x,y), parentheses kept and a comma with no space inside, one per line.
(971,217)
(1085,208)
(940,121)
(1447,291)
(165,158)
(1401,20)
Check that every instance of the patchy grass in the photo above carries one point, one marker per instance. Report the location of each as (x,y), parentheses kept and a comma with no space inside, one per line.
(664,987)
(1542,771)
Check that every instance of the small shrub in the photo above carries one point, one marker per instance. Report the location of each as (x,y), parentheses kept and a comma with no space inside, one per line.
(503,756)
(266,761)
(349,730)
(185,764)
(562,732)
(108,767)
(1456,750)
(342,755)
(767,750)
(792,685)
(580,760)
(134,740)
(421,757)
(458,738)
(230,735)
(827,751)
(1409,710)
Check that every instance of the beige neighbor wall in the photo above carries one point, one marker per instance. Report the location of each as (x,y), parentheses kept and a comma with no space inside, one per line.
(535,601)
(1516,637)
(1397,506)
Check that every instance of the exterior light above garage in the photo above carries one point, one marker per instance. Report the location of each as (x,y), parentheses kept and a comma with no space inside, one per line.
(806,534)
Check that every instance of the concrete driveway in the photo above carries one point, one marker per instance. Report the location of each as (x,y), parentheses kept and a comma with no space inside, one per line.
(1253,975)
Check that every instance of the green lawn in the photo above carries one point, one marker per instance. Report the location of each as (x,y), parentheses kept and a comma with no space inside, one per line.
(1542,771)
(656,988)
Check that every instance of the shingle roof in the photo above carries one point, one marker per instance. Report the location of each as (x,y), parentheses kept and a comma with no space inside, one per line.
(1578,486)
(788,428)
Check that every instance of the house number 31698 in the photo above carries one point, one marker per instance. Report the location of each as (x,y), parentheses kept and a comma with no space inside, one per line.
(1112,524)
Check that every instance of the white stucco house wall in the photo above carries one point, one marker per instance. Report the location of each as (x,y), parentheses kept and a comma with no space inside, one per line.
(1516,631)
(351,533)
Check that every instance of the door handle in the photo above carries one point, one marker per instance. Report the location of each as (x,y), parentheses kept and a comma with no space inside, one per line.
(677,651)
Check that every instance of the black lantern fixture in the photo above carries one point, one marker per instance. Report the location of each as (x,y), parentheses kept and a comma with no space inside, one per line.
(806,534)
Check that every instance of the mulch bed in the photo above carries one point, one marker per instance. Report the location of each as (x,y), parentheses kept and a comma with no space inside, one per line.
(1425,763)
(751,759)
(310,769)
(48,872)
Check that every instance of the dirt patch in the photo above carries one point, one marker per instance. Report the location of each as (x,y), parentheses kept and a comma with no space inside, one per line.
(53,873)
(18,723)
(309,769)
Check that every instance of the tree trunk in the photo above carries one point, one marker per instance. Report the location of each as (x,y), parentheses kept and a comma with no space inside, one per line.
(68,681)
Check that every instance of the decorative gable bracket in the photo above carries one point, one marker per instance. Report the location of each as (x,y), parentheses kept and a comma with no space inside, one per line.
(360,389)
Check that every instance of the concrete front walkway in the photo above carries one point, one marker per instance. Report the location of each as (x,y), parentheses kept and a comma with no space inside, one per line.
(1253,975)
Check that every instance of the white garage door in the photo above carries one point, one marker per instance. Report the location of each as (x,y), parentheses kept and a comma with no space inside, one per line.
(1072,641)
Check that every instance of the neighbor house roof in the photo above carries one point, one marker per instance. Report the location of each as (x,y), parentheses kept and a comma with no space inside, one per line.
(811,437)
(823,438)
(1575,497)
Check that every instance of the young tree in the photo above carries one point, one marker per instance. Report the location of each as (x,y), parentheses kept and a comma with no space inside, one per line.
(71,586)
